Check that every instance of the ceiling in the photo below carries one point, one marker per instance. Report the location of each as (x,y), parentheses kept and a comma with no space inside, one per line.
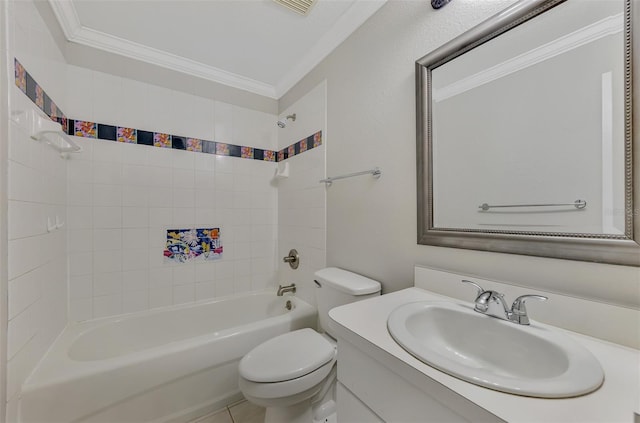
(254,45)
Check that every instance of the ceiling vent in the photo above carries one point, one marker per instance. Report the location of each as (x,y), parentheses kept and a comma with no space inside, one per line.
(299,6)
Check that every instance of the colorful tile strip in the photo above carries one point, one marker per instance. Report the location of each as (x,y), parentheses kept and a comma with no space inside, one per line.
(312,141)
(86,129)
(187,244)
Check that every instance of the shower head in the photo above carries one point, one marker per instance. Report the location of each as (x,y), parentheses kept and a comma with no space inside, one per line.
(283,123)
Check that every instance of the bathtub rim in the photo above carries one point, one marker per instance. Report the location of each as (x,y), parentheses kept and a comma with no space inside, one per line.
(57,367)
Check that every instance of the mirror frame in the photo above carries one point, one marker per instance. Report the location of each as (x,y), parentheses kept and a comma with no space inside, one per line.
(613,249)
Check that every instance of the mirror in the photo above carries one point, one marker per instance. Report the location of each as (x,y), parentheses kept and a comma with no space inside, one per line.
(524,134)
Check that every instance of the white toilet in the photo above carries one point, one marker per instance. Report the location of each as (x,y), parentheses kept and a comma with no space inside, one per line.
(293,375)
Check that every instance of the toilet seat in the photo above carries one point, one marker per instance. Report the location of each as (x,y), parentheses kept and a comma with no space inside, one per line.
(288,356)
(288,368)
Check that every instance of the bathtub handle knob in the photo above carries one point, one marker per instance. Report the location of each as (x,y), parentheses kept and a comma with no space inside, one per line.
(293,259)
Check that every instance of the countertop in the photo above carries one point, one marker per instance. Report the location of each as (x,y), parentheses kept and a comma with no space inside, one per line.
(615,401)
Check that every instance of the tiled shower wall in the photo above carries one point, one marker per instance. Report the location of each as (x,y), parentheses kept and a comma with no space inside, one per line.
(37,300)
(301,197)
(124,197)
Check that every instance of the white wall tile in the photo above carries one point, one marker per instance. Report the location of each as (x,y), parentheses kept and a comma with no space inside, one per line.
(24,291)
(107,305)
(80,263)
(80,287)
(80,99)
(160,297)
(107,195)
(107,96)
(158,110)
(107,261)
(107,239)
(20,330)
(202,123)
(135,280)
(107,217)
(135,217)
(124,197)
(107,284)
(254,128)
(24,254)
(80,309)
(223,122)
(205,290)
(184,293)
(135,301)
(132,104)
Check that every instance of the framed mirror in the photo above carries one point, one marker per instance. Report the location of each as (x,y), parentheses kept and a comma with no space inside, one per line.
(525,142)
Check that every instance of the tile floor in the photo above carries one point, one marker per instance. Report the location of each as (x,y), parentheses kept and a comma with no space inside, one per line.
(240,412)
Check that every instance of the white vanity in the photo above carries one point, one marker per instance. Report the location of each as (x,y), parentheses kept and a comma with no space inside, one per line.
(380,381)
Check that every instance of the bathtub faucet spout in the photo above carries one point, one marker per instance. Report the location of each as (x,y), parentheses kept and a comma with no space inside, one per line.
(287,288)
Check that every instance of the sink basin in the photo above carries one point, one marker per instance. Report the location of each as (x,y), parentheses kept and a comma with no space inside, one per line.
(504,356)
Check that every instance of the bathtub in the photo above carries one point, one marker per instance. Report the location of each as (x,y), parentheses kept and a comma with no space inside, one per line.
(168,365)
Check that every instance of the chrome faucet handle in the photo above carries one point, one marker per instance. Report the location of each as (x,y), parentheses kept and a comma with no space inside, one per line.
(480,289)
(519,310)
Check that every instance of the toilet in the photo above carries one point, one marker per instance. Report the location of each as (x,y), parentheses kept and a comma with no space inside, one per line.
(294,375)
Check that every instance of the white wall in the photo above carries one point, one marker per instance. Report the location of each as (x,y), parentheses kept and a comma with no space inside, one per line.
(371,225)
(37,271)
(301,198)
(124,197)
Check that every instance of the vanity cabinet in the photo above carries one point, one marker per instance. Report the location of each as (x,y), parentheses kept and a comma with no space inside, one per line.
(380,381)
(370,391)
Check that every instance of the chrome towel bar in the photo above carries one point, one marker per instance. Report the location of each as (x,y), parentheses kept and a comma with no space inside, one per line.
(578,204)
(376,172)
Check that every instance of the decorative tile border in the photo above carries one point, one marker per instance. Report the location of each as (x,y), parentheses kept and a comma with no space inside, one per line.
(81,128)
(37,95)
(187,244)
(312,141)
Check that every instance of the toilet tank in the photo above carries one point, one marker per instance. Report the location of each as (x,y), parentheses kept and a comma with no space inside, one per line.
(335,287)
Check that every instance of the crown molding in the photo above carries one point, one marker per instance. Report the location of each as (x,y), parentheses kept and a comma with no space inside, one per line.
(359,12)
(74,32)
(607,26)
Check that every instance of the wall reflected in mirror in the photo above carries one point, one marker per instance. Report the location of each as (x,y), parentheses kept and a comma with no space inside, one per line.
(531,119)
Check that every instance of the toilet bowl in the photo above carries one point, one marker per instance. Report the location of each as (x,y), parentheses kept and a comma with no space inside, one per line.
(287,369)
(293,375)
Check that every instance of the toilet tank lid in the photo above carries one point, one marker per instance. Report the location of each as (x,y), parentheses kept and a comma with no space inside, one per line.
(346,281)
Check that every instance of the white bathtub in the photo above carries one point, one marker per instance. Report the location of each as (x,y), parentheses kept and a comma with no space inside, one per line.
(163,365)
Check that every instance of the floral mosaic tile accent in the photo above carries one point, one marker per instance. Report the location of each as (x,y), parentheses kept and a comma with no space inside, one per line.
(187,244)
(291,150)
(317,139)
(194,144)
(303,146)
(127,135)
(246,152)
(85,129)
(39,97)
(222,149)
(53,113)
(20,76)
(269,156)
(161,140)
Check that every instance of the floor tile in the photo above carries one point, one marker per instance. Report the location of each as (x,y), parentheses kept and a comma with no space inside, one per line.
(246,412)
(219,417)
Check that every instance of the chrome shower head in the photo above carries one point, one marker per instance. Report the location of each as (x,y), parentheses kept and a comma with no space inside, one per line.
(283,123)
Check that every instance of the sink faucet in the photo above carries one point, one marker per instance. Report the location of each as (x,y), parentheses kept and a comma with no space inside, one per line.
(287,288)
(492,303)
